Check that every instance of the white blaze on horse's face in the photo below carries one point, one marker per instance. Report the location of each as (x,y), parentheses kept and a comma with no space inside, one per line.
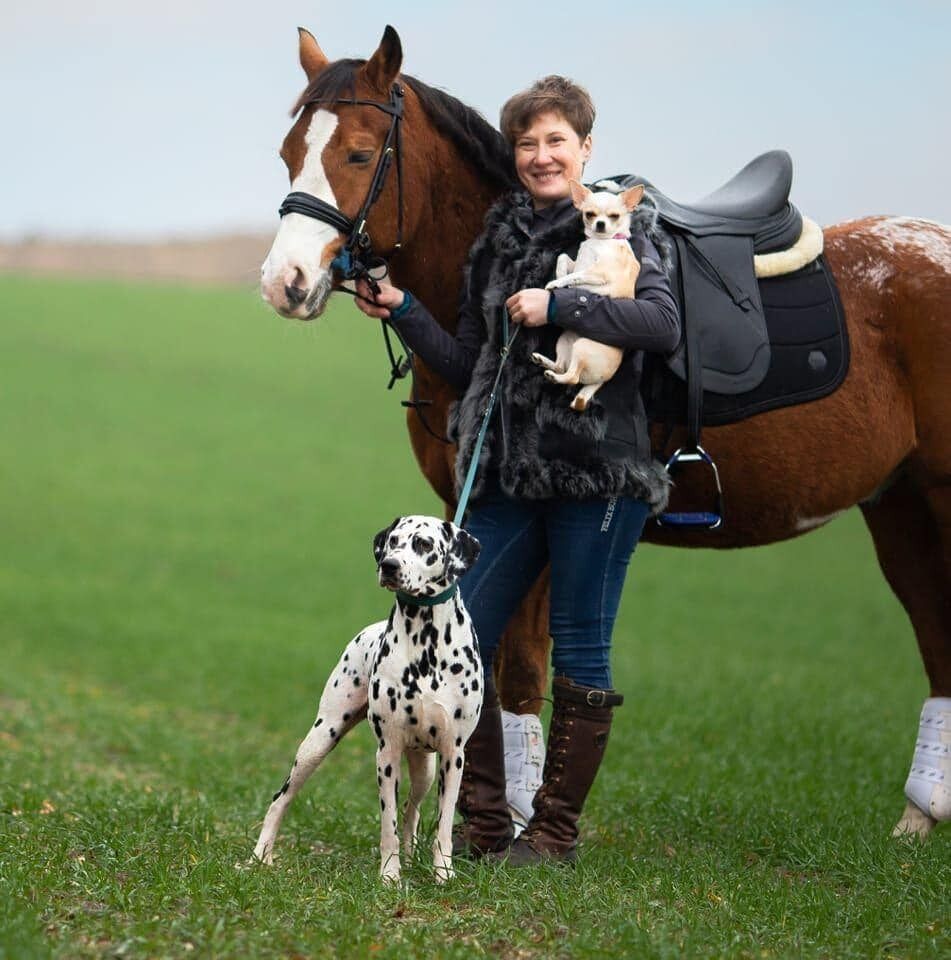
(295,277)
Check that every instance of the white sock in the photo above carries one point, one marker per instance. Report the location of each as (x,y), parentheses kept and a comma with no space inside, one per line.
(929,782)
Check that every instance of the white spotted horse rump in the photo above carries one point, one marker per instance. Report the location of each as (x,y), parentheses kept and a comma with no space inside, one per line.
(416,677)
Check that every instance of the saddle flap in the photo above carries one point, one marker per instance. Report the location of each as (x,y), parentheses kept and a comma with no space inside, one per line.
(719,293)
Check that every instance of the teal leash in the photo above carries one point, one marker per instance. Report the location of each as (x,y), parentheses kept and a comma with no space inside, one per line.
(477,450)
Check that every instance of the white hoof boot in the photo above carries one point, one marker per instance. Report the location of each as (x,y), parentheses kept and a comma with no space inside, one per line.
(524,742)
(928,786)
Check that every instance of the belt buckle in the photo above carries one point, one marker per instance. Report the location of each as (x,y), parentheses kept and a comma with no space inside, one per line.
(596,698)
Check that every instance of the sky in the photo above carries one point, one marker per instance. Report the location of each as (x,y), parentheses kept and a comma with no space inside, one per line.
(135,120)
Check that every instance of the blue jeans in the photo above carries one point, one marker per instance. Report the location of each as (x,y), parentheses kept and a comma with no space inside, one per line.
(589,545)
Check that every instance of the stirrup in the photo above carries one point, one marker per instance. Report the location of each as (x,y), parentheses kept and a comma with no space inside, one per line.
(693,519)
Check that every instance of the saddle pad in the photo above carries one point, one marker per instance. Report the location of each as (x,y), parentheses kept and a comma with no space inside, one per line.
(809,354)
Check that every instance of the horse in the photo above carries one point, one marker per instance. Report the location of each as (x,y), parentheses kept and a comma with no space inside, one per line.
(881,437)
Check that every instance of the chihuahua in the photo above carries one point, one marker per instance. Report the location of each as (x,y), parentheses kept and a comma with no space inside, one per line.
(605,265)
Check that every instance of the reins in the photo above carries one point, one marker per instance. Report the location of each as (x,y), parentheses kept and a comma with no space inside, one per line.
(357,260)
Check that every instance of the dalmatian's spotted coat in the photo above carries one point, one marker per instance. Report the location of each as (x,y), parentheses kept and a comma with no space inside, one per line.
(416,677)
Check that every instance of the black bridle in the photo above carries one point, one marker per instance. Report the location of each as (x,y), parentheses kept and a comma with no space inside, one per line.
(357,259)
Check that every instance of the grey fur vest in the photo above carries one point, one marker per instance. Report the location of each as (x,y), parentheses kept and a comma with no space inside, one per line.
(538,445)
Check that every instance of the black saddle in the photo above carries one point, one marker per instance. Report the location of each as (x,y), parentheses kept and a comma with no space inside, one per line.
(738,358)
(713,243)
(754,203)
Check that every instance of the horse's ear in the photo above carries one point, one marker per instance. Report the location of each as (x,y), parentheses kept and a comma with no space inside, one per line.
(312,58)
(382,68)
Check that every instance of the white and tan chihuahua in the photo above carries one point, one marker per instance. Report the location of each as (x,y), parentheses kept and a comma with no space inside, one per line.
(605,265)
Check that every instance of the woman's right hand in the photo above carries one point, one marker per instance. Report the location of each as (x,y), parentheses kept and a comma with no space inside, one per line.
(389,298)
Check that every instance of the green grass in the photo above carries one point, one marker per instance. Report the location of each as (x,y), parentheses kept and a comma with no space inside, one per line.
(174,464)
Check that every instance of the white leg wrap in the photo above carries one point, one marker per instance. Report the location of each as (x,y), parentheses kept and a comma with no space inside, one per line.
(929,782)
(524,762)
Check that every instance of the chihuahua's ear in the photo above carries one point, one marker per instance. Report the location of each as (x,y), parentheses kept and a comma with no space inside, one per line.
(579,193)
(312,58)
(632,196)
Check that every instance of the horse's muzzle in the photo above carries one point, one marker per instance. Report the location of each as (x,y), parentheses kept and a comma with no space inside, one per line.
(291,296)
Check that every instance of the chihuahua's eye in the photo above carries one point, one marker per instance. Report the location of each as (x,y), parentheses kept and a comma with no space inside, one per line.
(589,215)
(613,216)
(359,156)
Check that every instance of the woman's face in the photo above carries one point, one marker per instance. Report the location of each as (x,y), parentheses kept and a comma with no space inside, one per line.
(549,154)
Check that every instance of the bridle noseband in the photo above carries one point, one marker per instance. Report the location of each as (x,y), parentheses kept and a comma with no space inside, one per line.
(357,259)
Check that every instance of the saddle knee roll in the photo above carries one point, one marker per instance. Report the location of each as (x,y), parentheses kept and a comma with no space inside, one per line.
(928,785)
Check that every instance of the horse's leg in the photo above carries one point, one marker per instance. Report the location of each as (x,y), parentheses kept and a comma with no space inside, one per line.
(521,676)
(912,535)
(521,664)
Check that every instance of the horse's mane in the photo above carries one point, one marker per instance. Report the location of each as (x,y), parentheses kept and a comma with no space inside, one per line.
(479,143)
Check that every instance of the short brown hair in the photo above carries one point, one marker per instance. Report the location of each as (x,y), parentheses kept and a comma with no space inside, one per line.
(552,94)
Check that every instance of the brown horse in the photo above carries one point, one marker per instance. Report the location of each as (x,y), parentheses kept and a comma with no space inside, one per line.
(881,441)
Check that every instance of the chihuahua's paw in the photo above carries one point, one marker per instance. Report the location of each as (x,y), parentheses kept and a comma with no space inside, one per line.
(542,361)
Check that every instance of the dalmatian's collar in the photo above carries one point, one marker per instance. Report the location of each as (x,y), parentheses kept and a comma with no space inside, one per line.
(408,598)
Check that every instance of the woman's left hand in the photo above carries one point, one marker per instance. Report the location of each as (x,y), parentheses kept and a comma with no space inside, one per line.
(529,307)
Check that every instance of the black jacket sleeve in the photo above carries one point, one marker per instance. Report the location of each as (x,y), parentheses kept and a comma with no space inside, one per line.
(451,357)
(650,322)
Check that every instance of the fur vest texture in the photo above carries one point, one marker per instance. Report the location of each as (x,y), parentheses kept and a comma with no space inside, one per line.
(540,447)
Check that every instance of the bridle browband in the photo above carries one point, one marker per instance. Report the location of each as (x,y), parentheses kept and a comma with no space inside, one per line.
(357,259)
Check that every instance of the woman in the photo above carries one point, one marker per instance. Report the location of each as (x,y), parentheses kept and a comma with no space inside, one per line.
(554,486)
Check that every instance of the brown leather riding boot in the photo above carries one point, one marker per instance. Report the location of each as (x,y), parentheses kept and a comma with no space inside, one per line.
(580,722)
(487,826)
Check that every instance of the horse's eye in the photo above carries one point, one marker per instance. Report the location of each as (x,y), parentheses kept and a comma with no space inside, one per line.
(359,156)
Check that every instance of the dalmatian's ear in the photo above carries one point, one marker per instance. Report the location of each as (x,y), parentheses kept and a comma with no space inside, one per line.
(379,541)
(463,551)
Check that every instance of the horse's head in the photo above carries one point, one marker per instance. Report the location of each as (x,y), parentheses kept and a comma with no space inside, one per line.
(331,153)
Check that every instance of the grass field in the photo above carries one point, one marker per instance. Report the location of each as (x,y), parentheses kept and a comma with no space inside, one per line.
(174,465)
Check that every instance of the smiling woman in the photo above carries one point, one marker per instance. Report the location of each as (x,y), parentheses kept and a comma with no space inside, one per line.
(550,127)
(554,487)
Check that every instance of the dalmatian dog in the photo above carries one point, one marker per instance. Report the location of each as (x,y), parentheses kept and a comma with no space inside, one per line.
(416,677)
